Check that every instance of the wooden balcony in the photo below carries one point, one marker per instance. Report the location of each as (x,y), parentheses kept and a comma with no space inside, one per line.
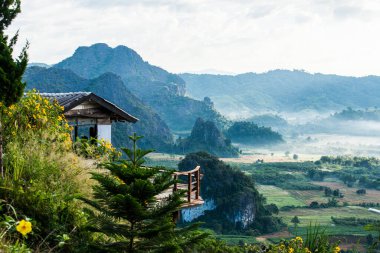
(192,186)
(190,181)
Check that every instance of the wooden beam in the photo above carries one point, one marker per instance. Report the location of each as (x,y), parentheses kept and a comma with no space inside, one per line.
(189,188)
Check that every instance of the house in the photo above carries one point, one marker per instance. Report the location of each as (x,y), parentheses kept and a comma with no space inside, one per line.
(90,115)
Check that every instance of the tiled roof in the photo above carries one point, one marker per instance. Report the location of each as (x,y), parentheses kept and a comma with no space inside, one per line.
(72,99)
(66,99)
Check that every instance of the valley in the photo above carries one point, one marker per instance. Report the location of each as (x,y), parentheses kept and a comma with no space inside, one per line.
(293,191)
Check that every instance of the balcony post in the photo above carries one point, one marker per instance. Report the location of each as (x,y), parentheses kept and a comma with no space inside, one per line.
(198,178)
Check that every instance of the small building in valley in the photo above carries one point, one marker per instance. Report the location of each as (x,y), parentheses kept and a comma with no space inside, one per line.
(90,115)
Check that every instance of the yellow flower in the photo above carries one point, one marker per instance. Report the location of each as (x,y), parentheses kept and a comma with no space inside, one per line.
(24,227)
(337,249)
(299,239)
(291,250)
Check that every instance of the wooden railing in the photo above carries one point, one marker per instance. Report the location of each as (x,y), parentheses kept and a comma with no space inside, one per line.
(193,184)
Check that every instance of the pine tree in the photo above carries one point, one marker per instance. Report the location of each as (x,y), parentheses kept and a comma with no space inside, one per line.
(128,213)
(11,70)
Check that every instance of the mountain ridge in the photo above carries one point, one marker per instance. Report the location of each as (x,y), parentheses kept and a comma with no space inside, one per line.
(284,91)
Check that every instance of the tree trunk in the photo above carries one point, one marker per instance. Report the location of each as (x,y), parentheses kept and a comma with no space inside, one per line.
(1,150)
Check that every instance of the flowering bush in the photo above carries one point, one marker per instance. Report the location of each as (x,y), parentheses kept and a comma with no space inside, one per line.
(36,115)
(295,245)
(96,149)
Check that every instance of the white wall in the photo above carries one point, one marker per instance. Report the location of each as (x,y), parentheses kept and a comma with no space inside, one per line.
(104,132)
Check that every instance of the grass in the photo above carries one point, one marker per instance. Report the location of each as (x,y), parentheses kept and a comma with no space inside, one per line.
(278,196)
(236,239)
(308,196)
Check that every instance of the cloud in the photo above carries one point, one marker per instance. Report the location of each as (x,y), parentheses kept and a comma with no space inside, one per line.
(261,11)
(330,36)
(351,12)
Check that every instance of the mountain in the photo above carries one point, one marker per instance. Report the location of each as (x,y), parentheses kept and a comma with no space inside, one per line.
(205,136)
(156,87)
(283,91)
(111,87)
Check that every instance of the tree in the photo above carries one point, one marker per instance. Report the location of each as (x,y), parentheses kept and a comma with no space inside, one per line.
(295,157)
(314,204)
(295,220)
(128,211)
(328,191)
(361,191)
(11,70)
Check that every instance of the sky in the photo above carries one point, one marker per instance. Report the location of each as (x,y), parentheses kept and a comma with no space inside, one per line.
(219,36)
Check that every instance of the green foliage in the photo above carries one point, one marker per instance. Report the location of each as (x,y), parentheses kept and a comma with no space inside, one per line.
(353,221)
(295,220)
(130,214)
(11,70)
(363,171)
(96,149)
(250,133)
(318,241)
(273,174)
(239,206)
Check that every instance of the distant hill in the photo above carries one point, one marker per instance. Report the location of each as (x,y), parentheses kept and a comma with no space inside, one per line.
(269,120)
(111,87)
(205,136)
(283,91)
(250,133)
(161,90)
(351,114)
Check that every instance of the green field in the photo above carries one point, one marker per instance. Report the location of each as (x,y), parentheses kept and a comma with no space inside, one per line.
(278,196)
(236,239)
(323,216)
